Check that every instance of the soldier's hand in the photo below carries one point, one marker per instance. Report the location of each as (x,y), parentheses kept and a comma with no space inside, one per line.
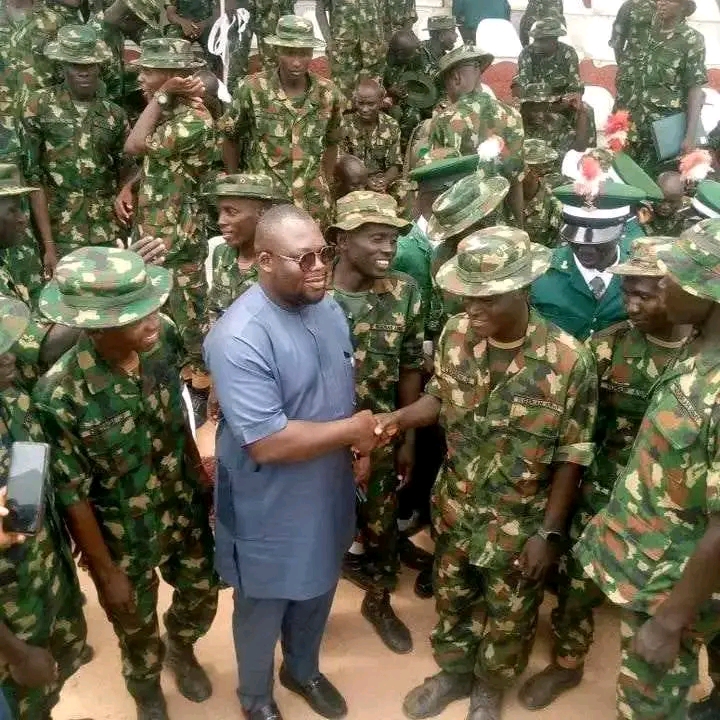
(536,558)
(7,539)
(117,595)
(656,643)
(386,428)
(151,249)
(364,437)
(124,205)
(50,261)
(189,87)
(404,463)
(37,668)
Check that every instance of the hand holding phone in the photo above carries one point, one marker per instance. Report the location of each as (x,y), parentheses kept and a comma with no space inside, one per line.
(25,501)
(7,539)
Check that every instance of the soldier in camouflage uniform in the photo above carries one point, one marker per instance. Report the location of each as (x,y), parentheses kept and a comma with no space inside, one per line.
(127,472)
(176,139)
(355,42)
(516,448)
(670,216)
(374,137)
(42,627)
(539,10)
(673,62)
(473,117)
(653,549)
(74,142)
(384,312)
(443,35)
(287,123)
(543,211)
(398,15)
(192,19)
(630,358)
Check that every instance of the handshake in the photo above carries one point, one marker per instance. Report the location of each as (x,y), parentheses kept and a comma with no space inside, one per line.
(368,431)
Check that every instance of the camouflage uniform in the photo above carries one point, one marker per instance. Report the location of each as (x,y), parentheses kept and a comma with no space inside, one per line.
(561,71)
(675,223)
(284,141)
(229,282)
(504,430)
(538,10)
(264,16)
(40,599)
(637,547)
(76,157)
(122,447)
(543,217)
(398,15)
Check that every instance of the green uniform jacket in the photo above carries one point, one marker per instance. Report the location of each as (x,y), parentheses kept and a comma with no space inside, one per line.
(228,281)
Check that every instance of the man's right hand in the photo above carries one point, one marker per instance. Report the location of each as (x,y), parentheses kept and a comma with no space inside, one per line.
(117,594)
(189,87)
(124,205)
(7,539)
(35,669)
(364,432)
(151,249)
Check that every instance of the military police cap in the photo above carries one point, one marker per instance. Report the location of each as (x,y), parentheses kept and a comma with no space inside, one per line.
(167,54)
(643,259)
(611,206)
(693,259)
(630,173)
(11,182)
(443,173)
(550,27)
(539,152)
(98,287)
(462,56)
(365,206)
(79,45)
(248,185)
(293,31)
(493,261)
(441,22)
(420,88)
(707,198)
(14,318)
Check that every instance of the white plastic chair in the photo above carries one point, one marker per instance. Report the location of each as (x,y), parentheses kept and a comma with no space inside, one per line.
(499,37)
(213,242)
(601,101)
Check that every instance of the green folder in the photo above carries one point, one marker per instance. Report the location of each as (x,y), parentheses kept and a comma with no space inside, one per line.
(668,134)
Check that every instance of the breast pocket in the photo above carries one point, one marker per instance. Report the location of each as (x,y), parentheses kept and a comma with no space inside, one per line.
(113,443)
(275,139)
(384,346)
(535,422)
(59,135)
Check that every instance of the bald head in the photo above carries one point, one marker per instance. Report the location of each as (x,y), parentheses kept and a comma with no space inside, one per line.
(671,183)
(404,45)
(277,230)
(369,86)
(349,174)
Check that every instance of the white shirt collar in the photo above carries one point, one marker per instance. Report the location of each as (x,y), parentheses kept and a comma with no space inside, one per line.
(589,273)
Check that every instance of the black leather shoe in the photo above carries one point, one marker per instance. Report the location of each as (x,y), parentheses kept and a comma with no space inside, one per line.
(544,688)
(707,709)
(192,681)
(424,584)
(320,694)
(413,556)
(436,693)
(151,705)
(376,609)
(354,569)
(485,702)
(266,712)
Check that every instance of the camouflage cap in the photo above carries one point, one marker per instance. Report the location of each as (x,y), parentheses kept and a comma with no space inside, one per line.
(539,152)
(365,206)
(248,185)
(14,318)
(462,56)
(441,22)
(79,45)
(550,27)
(707,198)
(467,202)
(538,92)
(147,10)
(643,259)
(11,183)
(293,31)
(421,89)
(493,261)
(693,259)
(99,287)
(167,54)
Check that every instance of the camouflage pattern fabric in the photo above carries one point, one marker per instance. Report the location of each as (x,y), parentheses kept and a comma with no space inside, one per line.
(122,448)
(464,125)
(287,142)
(543,217)
(561,71)
(378,148)
(492,490)
(264,16)
(538,10)
(556,126)
(194,9)
(76,157)
(228,281)
(40,599)
(398,15)
(387,334)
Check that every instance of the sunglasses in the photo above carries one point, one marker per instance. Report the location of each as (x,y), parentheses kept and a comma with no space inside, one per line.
(306,261)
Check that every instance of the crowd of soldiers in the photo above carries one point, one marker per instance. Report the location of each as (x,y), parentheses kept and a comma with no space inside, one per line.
(532,307)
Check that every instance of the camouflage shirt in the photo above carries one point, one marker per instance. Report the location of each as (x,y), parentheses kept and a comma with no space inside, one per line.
(543,217)
(181,154)
(502,441)
(287,141)
(675,223)
(75,154)
(561,71)
(557,127)
(121,445)
(378,147)
(194,9)
(229,282)
(387,332)
(471,120)
(636,548)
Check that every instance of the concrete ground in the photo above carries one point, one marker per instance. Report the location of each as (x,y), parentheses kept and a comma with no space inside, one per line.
(373,680)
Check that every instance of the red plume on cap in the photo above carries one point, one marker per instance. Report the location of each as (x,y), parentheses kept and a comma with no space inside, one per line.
(591,174)
(616,130)
(696,165)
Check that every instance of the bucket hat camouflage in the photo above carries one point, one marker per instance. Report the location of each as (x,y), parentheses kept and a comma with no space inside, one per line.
(467,202)
(98,287)
(147,10)
(248,185)
(549,27)
(643,259)
(693,260)
(167,54)
(462,56)
(365,206)
(11,183)
(493,261)
(293,31)
(441,22)
(14,318)
(79,45)
(420,88)
(539,152)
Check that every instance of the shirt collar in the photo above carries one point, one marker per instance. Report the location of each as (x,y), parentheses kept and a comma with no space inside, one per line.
(590,273)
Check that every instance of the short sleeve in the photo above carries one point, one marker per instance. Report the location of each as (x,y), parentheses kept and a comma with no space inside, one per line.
(335,131)
(186,134)
(695,73)
(411,354)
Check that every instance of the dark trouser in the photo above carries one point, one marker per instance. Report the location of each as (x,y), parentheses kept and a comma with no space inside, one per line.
(257,626)
(713,652)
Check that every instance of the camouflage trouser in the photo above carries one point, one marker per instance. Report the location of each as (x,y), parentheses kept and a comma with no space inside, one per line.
(486,617)
(187,306)
(267,14)
(399,15)
(63,634)
(357,50)
(572,620)
(378,519)
(25,264)
(649,692)
(187,565)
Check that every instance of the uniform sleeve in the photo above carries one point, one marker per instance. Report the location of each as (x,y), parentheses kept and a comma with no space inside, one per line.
(237,121)
(574,84)
(513,154)
(712,483)
(187,134)
(31,140)
(695,72)
(335,127)
(120,130)
(213,298)
(621,27)
(578,421)
(438,386)
(524,74)
(411,354)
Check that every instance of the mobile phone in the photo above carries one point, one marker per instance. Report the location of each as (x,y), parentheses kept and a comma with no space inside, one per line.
(25,500)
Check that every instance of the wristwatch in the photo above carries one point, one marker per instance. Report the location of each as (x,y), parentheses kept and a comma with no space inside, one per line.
(549,535)
(162,99)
